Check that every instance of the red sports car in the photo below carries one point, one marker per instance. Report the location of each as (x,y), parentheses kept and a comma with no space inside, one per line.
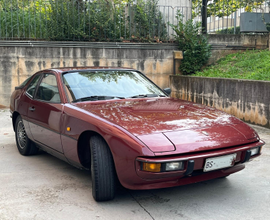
(120,125)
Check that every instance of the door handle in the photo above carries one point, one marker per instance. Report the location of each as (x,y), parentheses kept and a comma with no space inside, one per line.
(32,109)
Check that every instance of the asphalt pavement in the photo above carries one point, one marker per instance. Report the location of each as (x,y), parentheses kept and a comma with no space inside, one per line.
(44,187)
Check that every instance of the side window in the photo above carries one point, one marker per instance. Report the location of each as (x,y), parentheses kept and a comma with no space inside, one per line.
(32,86)
(48,90)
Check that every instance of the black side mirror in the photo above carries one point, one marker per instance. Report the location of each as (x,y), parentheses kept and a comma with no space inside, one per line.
(167,91)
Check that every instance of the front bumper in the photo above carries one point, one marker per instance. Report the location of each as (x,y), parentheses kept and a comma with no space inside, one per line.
(193,168)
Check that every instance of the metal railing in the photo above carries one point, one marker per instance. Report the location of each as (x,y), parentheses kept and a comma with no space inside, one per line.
(73,20)
(223,17)
(100,21)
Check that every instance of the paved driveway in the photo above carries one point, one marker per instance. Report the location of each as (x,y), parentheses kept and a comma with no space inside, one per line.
(43,187)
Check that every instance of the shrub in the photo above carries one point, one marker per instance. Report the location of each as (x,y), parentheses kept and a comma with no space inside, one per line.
(84,20)
(74,20)
(21,20)
(195,47)
(105,20)
(229,31)
(148,21)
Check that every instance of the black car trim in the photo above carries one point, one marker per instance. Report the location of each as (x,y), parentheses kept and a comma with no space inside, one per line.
(69,137)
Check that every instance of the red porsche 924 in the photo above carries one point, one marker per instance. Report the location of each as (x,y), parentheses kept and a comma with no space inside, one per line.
(120,125)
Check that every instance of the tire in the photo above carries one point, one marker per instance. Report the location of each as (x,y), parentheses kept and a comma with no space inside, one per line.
(25,146)
(102,170)
(223,177)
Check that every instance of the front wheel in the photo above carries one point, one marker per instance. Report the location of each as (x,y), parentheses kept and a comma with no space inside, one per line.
(102,170)
(25,146)
(223,177)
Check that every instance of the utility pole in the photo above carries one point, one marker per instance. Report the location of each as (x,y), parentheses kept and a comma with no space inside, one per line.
(204,16)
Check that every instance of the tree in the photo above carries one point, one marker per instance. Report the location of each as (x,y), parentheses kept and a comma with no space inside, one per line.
(194,45)
(220,8)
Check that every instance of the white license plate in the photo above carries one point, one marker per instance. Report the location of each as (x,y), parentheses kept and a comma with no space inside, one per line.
(216,163)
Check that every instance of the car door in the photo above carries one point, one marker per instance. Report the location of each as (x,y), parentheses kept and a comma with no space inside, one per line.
(25,101)
(45,113)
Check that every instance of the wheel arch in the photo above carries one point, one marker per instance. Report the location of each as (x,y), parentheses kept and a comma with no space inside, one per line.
(83,147)
(14,118)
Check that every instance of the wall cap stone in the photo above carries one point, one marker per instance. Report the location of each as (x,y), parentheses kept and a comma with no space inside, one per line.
(219,78)
(107,45)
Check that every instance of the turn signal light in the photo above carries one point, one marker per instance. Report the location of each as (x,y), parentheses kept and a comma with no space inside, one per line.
(151,167)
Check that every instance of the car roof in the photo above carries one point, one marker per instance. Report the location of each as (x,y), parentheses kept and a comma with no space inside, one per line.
(67,69)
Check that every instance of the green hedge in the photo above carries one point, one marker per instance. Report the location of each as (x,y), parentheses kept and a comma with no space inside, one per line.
(229,31)
(98,20)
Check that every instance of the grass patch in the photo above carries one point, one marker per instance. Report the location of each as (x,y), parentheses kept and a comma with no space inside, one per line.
(252,65)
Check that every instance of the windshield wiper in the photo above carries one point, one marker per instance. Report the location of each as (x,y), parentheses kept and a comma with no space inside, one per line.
(146,95)
(97,97)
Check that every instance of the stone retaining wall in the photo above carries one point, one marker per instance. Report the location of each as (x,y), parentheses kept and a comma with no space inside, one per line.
(20,60)
(246,99)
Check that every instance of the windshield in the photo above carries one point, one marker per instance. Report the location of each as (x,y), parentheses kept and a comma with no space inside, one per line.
(96,85)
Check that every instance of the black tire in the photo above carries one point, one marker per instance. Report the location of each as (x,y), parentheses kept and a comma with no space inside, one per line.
(223,177)
(102,170)
(25,146)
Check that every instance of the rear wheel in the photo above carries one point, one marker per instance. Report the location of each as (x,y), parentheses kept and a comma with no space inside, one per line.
(102,170)
(25,146)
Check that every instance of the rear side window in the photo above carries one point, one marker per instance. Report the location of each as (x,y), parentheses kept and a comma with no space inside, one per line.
(48,89)
(32,86)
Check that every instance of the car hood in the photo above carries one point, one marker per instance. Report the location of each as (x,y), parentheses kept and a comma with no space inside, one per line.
(166,124)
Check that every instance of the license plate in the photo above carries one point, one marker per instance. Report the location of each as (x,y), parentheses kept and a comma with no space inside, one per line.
(216,163)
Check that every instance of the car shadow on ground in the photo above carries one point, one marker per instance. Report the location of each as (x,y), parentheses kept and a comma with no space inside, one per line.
(157,196)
